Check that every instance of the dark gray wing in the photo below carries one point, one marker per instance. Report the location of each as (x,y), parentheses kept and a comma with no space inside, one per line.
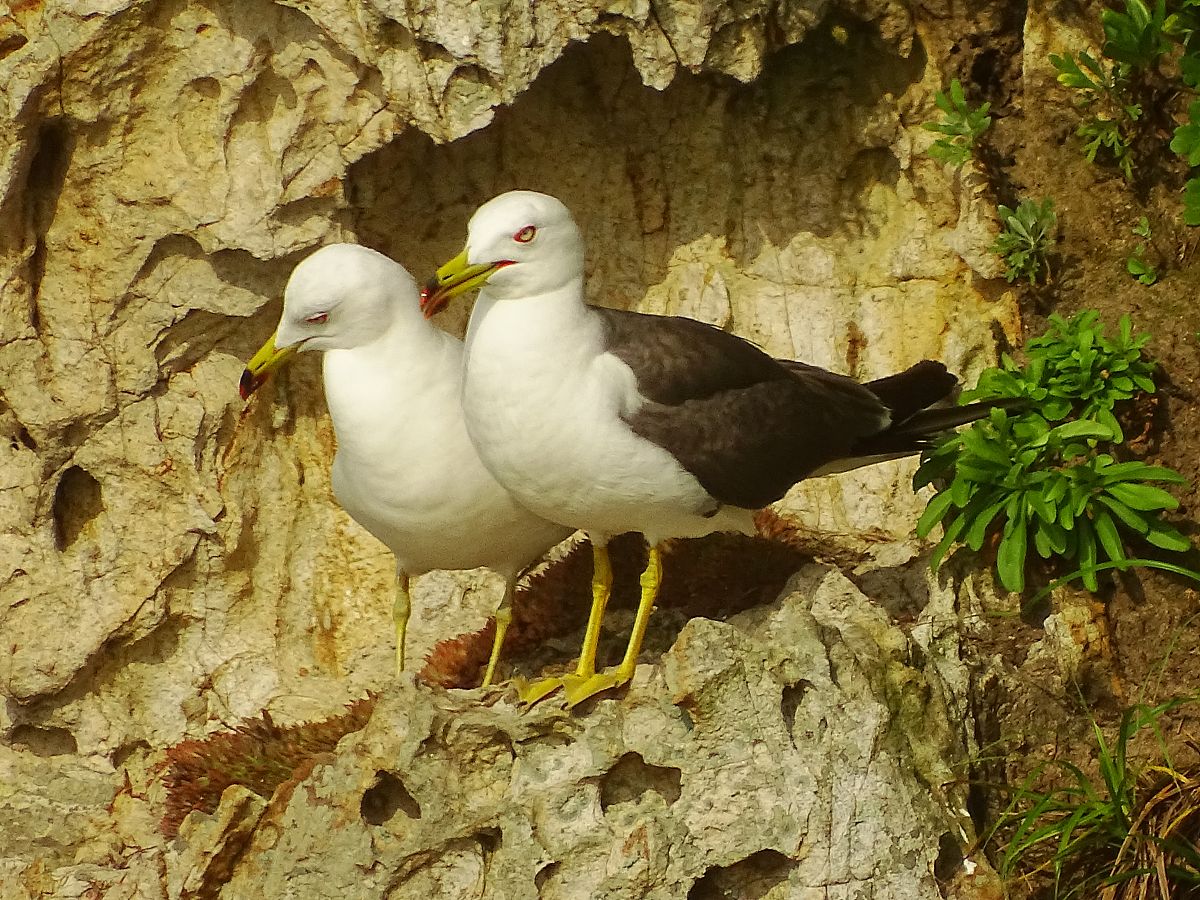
(746,425)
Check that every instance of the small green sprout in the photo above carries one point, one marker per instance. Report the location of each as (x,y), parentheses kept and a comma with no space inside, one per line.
(1095,83)
(1110,136)
(1105,90)
(1136,264)
(961,126)
(1024,241)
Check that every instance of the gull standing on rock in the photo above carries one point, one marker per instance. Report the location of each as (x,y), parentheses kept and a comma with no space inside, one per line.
(405,468)
(615,421)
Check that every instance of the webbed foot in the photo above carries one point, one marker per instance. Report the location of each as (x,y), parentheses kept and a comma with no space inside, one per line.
(577,688)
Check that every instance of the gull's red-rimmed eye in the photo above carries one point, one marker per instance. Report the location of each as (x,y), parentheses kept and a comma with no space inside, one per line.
(525,235)
(317,318)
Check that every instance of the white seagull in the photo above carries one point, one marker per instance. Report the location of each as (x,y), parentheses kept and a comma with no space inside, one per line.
(405,468)
(614,421)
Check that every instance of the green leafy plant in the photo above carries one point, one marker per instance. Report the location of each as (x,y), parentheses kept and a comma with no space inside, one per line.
(1191,202)
(1136,263)
(1128,832)
(1186,143)
(1186,140)
(1021,480)
(1105,91)
(1127,98)
(1137,37)
(961,126)
(1025,240)
(1044,485)
(1183,27)
(1113,89)
(1074,369)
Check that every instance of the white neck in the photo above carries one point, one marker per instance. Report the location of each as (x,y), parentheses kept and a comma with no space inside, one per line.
(527,322)
(411,364)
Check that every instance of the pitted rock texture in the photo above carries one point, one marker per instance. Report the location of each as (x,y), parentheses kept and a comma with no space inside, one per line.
(776,748)
(171,563)
(167,164)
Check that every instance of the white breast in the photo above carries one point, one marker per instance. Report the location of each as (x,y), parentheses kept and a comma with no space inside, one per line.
(544,401)
(406,469)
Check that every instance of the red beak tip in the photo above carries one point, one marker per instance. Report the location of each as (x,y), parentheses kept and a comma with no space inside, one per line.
(248,384)
(431,304)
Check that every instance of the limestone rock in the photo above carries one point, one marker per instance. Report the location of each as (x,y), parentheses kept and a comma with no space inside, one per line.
(167,163)
(786,748)
(171,563)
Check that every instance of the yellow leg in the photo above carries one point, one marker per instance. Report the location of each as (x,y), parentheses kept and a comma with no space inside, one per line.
(401,609)
(601,589)
(579,690)
(503,620)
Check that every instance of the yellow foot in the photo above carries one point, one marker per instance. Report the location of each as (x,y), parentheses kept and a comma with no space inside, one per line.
(578,689)
(531,693)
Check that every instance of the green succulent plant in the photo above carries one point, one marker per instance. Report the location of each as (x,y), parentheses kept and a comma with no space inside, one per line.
(1025,240)
(1049,477)
(1074,369)
(1047,486)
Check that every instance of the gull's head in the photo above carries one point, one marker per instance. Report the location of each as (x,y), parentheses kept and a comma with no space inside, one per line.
(340,297)
(520,244)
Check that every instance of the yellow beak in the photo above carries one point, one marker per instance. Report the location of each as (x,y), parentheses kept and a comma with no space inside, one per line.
(454,278)
(262,364)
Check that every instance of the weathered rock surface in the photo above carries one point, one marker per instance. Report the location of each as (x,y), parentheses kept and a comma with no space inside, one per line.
(791,743)
(168,564)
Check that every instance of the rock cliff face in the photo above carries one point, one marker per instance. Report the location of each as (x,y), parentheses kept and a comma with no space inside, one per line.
(170,563)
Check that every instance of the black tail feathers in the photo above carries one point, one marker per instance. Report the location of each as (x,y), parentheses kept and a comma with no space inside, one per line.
(916,397)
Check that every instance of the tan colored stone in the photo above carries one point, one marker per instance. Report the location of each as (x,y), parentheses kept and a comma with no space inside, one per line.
(170,564)
(763,748)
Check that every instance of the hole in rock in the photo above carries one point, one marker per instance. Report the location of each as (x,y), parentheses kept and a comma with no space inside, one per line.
(12,44)
(793,696)
(122,754)
(544,874)
(489,839)
(47,173)
(25,438)
(44,184)
(949,858)
(760,876)
(632,777)
(387,796)
(77,502)
(37,272)
(985,69)
(43,740)
(207,87)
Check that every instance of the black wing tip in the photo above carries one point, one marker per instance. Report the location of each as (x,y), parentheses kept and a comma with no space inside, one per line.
(918,387)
